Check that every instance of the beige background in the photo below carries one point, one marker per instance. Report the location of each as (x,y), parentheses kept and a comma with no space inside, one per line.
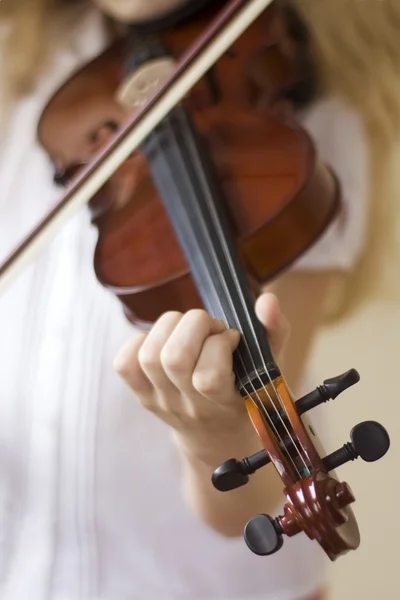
(370,342)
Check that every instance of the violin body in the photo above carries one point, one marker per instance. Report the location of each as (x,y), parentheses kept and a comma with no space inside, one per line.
(273,185)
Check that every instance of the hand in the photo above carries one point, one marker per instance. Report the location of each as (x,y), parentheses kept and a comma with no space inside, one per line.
(182,371)
(136,10)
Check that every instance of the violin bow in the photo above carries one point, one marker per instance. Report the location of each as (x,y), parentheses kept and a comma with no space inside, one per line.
(229,24)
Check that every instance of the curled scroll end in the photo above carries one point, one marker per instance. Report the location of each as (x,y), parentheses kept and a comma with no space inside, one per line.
(320,506)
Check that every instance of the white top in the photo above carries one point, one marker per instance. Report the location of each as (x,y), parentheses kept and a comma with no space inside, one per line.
(90,502)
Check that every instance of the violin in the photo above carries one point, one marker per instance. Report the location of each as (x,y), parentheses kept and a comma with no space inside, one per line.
(200,197)
(259,168)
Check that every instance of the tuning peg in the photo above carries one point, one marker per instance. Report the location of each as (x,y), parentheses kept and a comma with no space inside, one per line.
(234,473)
(369,440)
(329,390)
(263,535)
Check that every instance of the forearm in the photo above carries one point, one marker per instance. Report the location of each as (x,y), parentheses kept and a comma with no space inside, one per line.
(227,512)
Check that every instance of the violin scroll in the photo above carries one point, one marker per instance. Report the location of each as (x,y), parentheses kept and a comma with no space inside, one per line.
(318,506)
(317,503)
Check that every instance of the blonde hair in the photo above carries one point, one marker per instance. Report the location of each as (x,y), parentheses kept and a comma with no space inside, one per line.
(355,45)
(29,26)
(31,30)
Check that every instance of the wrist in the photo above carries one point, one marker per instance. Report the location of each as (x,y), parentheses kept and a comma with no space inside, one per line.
(214,448)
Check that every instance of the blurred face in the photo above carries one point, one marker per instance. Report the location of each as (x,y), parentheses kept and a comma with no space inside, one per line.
(137,10)
(80,121)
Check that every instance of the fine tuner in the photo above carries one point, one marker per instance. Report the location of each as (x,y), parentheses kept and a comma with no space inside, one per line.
(369,440)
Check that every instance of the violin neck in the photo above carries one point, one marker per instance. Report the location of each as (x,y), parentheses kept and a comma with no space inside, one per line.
(194,203)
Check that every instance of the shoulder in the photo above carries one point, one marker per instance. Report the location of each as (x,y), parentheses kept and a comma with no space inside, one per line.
(340,138)
(337,130)
(342,143)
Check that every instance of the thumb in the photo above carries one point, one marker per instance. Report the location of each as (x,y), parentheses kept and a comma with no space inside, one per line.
(277,326)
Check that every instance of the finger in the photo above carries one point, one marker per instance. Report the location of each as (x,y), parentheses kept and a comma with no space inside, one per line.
(181,352)
(213,376)
(150,352)
(276,324)
(126,364)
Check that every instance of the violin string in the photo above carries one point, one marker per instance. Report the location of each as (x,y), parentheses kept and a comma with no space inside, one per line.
(272,424)
(261,406)
(222,278)
(214,217)
(218,299)
(263,410)
(231,266)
